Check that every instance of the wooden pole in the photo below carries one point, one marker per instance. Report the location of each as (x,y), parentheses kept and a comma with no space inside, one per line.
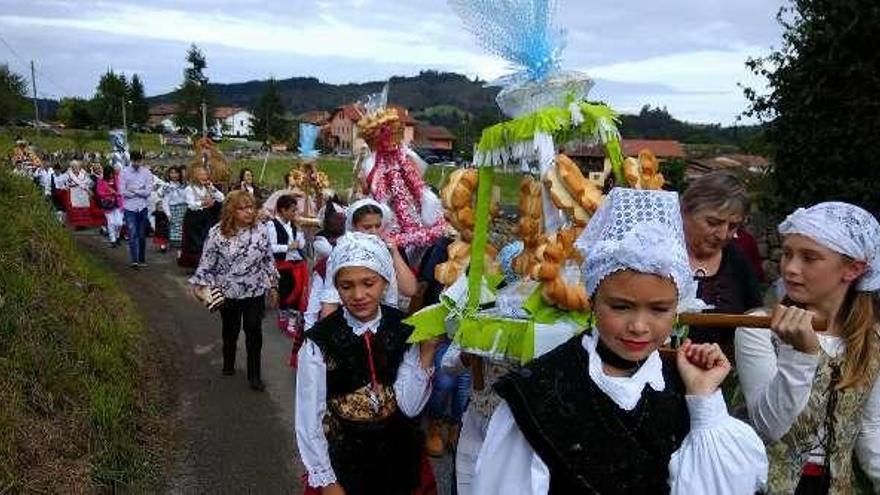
(733,321)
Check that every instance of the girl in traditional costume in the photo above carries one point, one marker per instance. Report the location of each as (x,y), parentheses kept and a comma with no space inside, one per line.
(368,216)
(360,385)
(603,413)
(111,202)
(815,397)
(287,243)
(173,195)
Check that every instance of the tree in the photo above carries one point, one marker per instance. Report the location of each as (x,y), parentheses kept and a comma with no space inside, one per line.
(107,102)
(13,88)
(139,110)
(75,113)
(270,123)
(822,109)
(194,91)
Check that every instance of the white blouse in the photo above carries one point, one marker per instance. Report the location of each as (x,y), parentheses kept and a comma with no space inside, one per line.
(412,389)
(776,382)
(720,454)
(195,193)
(299,239)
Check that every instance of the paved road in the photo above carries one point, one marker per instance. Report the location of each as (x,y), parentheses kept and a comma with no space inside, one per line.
(227,438)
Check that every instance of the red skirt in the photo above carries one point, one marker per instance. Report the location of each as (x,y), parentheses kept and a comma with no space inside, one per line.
(85,218)
(294,286)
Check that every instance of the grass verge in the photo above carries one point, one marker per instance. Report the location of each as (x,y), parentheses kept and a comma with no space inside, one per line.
(79,411)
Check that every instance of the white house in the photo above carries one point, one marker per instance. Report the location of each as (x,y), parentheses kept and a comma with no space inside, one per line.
(233,121)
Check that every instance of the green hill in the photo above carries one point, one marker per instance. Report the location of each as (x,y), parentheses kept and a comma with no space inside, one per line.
(76,413)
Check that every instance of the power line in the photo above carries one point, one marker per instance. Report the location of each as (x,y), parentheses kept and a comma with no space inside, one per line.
(26,65)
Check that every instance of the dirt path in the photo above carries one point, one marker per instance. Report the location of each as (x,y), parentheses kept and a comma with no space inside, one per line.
(226,438)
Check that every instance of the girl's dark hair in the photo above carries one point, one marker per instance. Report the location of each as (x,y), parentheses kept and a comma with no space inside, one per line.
(108,173)
(241,174)
(333,224)
(363,211)
(285,202)
(179,173)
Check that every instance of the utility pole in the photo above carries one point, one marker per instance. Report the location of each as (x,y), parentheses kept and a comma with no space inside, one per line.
(124,124)
(204,119)
(36,109)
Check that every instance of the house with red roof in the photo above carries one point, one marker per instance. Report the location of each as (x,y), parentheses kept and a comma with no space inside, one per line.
(228,121)
(342,129)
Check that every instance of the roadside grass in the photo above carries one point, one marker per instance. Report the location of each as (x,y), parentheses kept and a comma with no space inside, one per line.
(339,170)
(77,413)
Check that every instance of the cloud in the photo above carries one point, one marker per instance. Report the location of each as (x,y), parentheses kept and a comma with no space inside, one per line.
(684,55)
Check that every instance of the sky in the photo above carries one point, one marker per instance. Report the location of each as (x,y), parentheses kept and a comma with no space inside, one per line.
(686,55)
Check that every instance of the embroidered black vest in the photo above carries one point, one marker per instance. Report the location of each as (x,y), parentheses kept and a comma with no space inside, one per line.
(283,238)
(589,443)
(345,353)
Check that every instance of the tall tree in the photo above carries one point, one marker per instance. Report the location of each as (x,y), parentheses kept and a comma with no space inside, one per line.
(107,102)
(823,107)
(75,113)
(13,88)
(139,110)
(193,92)
(270,123)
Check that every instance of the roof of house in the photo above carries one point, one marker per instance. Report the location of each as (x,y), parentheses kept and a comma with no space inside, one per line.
(662,148)
(224,112)
(425,132)
(725,162)
(316,117)
(163,109)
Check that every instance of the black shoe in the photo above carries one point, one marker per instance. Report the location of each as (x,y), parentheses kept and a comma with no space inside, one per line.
(134,266)
(257,385)
(228,371)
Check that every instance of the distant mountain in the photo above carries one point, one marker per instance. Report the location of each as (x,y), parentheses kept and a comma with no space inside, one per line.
(443,98)
(301,94)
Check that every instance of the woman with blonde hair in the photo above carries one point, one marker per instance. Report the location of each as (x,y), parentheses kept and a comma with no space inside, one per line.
(237,274)
(815,397)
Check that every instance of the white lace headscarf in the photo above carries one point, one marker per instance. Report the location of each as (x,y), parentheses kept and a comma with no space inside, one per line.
(845,229)
(640,231)
(361,250)
(387,215)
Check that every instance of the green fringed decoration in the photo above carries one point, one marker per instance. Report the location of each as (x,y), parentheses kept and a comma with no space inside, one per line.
(498,336)
(615,155)
(481,235)
(429,322)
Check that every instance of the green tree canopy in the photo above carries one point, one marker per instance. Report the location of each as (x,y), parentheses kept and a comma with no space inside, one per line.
(75,113)
(193,91)
(270,122)
(823,106)
(107,102)
(13,88)
(139,111)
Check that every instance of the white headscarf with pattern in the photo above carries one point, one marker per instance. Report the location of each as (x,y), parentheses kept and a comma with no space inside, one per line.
(641,231)
(842,228)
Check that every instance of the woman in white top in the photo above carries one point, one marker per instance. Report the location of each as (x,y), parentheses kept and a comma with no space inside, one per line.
(815,397)
(603,413)
(79,186)
(204,203)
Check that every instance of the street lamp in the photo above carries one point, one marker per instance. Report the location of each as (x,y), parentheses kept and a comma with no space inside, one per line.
(124,125)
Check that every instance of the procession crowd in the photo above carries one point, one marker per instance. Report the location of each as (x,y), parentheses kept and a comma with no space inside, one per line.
(605,412)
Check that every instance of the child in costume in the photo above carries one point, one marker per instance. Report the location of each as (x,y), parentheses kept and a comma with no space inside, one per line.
(287,243)
(603,413)
(368,216)
(359,383)
(815,397)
